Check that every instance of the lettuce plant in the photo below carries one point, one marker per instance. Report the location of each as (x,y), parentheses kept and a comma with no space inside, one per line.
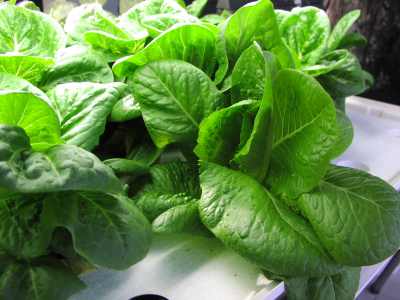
(219,125)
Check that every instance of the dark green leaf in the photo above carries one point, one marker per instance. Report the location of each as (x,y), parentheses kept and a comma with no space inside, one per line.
(108,231)
(60,168)
(250,220)
(25,281)
(352,211)
(125,109)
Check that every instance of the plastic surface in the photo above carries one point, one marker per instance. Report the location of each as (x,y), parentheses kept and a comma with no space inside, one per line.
(183,267)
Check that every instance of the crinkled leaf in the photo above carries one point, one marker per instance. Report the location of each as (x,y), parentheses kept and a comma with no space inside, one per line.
(306,31)
(218,137)
(108,231)
(30,33)
(250,220)
(304,131)
(23,231)
(352,211)
(170,185)
(341,286)
(346,80)
(34,115)
(83,108)
(91,17)
(77,64)
(60,168)
(157,24)
(254,156)
(125,109)
(179,219)
(193,43)
(30,68)
(154,15)
(111,46)
(30,281)
(174,97)
(341,28)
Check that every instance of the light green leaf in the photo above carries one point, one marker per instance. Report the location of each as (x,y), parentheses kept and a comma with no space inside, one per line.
(157,24)
(30,68)
(304,131)
(125,109)
(174,97)
(10,84)
(83,108)
(250,220)
(34,115)
(218,134)
(254,156)
(26,281)
(345,134)
(60,168)
(77,64)
(193,43)
(29,33)
(255,21)
(111,46)
(91,17)
(352,211)
(155,16)
(23,232)
(196,7)
(214,19)
(108,231)
(91,24)
(341,28)
(341,286)
(179,219)
(306,31)
(250,73)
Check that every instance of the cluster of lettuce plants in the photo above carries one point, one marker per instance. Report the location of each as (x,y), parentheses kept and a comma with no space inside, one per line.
(164,120)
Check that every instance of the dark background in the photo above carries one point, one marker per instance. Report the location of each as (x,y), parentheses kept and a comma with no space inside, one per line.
(379,23)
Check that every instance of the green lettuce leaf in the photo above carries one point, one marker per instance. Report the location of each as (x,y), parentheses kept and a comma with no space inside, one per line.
(34,115)
(247,218)
(193,43)
(352,211)
(83,109)
(304,131)
(108,231)
(60,168)
(77,64)
(174,97)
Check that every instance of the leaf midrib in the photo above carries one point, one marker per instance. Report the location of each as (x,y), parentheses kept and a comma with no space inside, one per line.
(176,101)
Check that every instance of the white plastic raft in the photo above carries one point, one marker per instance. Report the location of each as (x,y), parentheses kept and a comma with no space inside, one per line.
(196,268)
